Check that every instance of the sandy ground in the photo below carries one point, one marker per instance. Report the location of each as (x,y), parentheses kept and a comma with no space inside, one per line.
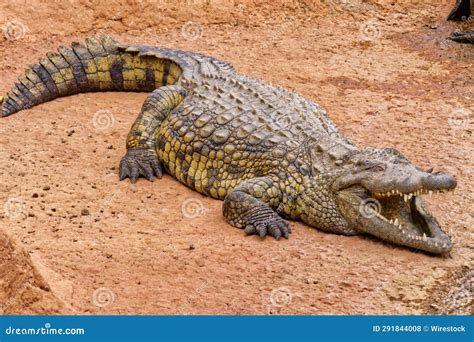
(73,239)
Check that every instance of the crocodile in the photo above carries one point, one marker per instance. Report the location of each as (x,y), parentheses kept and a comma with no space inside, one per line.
(270,154)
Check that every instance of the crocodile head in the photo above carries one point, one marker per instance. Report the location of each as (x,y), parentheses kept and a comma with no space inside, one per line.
(379,193)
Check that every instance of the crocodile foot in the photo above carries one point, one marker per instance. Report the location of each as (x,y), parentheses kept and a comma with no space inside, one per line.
(140,162)
(274,226)
(463,37)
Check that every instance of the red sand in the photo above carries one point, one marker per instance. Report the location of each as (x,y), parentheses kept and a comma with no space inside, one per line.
(83,242)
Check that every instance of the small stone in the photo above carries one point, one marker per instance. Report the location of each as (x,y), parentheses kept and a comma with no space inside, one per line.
(70,132)
(85,212)
(46,187)
(191,247)
(35,195)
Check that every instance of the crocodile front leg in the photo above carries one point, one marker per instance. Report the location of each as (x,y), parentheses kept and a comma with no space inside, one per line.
(141,157)
(250,206)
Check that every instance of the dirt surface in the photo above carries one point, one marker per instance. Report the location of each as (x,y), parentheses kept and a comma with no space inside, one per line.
(75,239)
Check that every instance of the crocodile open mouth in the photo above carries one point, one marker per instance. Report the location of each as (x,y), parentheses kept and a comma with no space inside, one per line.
(401,218)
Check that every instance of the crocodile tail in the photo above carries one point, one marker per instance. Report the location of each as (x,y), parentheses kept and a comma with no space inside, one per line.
(97,65)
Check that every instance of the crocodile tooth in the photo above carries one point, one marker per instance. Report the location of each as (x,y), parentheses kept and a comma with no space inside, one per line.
(405,197)
(391,221)
(399,226)
(424,237)
(430,193)
(395,222)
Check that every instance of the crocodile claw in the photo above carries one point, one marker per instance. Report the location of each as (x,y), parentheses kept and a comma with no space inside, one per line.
(275,226)
(140,162)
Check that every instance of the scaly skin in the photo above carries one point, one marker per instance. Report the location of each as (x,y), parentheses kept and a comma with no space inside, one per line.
(268,153)
(462,11)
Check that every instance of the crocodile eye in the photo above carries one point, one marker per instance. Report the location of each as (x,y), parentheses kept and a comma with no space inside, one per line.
(378,167)
(371,166)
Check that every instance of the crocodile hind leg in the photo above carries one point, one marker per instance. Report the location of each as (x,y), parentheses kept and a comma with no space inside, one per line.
(250,206)
(141,157)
